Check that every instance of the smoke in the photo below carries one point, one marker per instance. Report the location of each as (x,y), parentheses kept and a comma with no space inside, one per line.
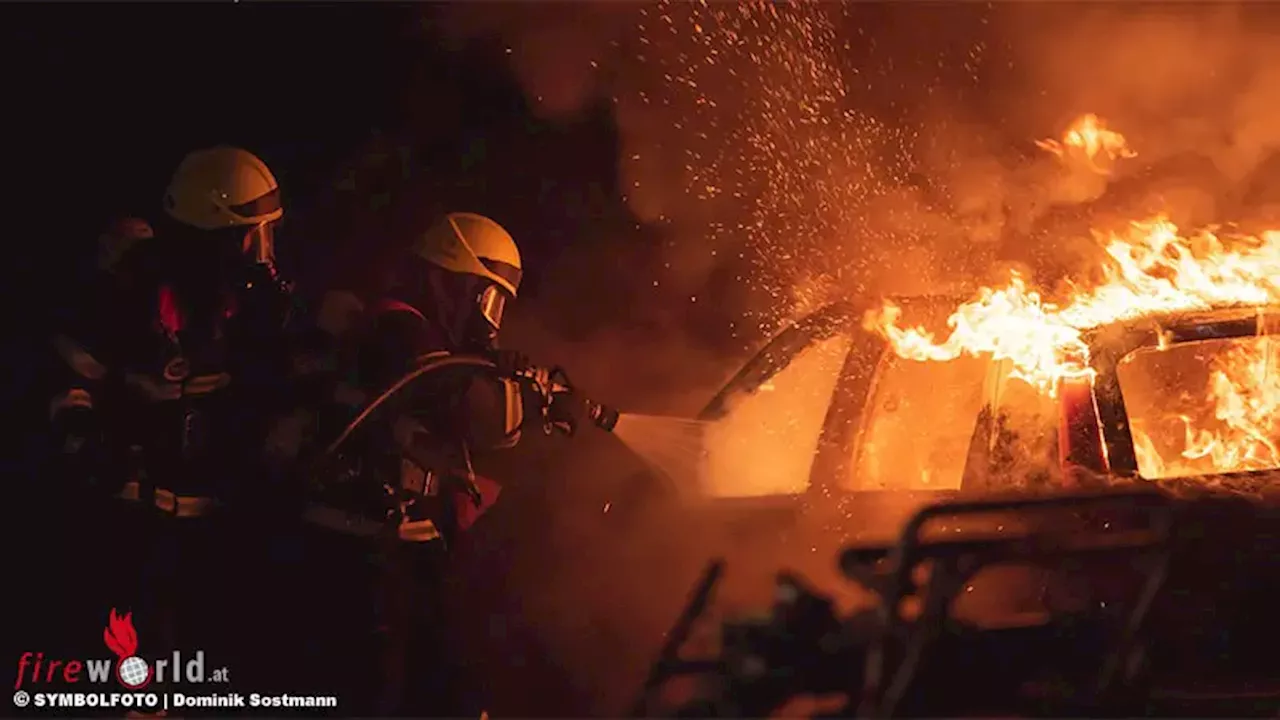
(785,155)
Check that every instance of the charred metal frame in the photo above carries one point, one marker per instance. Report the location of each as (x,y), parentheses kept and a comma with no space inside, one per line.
(804,648)
(895,652)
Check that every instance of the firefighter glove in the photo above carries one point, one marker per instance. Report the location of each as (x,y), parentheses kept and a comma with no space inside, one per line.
(562,414)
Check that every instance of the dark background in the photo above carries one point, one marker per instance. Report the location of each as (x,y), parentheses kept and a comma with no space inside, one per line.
(369,123)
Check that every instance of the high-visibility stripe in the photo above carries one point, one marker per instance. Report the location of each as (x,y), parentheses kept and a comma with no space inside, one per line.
(418,531)
(73,398)
(514,406)
(508,442)
(332,518)
(205,384)
(78,358)
(433,355)
(130,491)
(162,390)
(183,506)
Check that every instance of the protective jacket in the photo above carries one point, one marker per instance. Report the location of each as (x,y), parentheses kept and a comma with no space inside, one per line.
(401,487)
(415,458)
(170,380)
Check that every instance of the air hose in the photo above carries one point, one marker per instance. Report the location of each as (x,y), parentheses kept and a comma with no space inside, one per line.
(549,383)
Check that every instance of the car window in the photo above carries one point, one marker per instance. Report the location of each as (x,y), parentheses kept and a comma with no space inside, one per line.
(1022,446)
(1202,408)
(765,443)
(918,424)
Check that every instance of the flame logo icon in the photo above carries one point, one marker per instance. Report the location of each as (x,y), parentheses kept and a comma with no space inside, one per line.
(120,637)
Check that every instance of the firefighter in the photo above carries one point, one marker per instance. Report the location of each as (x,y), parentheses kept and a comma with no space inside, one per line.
(414,487)
(172,380)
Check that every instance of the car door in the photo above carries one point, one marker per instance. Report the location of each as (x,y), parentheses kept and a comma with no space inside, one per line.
(765,426)
(906,425)
(825,407)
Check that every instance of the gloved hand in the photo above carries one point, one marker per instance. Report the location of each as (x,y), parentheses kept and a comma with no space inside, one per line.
(563,410)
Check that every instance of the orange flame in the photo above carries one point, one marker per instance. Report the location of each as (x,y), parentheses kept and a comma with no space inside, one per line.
(1089,140)
(1149,268)
(1238,429)
(119,635)
(1247,390)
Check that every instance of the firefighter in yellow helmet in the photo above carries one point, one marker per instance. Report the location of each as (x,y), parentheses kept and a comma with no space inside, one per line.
(447,303)
(171,384)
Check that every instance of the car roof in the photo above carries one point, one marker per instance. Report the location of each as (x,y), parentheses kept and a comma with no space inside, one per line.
(1199,317)
(1190,326)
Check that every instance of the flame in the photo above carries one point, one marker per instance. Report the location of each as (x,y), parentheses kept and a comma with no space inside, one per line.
(119,635)
(1149,268)
(1089,140)
(1242,429)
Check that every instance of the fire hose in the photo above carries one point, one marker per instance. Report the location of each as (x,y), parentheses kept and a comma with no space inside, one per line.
(548,384)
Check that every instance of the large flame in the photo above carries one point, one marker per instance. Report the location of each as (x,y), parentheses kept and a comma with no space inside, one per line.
(1238,429)
(1089,140)
(1248,404)
(1149,268)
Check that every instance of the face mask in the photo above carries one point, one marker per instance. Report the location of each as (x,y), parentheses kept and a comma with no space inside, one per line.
(493,303)
(259,244)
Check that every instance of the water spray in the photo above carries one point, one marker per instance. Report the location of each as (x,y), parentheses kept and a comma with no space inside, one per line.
(673,446)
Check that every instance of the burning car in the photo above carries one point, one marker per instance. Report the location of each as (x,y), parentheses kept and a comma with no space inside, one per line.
(868,419)
(1161,369)
(1163,378)
(1174,401)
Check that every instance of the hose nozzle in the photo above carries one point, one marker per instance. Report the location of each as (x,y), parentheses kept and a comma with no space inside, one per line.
(602,416)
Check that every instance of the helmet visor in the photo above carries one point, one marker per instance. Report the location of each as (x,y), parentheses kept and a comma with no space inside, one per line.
(493,303)
(506,271)
(259,206)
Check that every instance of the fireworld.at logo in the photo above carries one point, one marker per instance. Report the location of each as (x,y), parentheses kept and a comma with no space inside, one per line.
(130,669)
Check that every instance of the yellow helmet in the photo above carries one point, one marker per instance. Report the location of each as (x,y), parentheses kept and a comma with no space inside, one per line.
(225,187)
(475,245)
